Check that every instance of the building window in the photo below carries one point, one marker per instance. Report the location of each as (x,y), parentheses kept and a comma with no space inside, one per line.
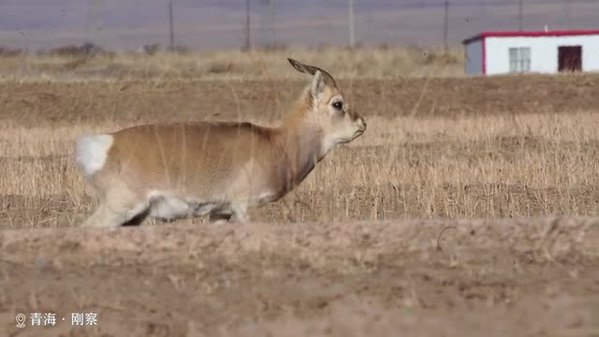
(520,60)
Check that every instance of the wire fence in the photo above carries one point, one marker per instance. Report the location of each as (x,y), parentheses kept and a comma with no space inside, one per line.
(232,24)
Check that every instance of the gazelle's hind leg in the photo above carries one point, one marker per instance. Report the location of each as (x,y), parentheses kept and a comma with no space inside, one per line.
(236,212)
(219,217)
(117,208)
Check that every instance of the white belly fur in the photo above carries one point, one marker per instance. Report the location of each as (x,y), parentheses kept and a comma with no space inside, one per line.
(168,207)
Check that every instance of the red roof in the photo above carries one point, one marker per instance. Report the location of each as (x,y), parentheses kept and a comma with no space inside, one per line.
(484,35)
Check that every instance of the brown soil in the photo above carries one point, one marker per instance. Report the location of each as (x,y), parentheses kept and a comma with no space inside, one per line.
(530,277)
(32,103)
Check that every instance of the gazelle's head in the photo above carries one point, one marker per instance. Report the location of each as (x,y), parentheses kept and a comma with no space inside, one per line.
(327,109)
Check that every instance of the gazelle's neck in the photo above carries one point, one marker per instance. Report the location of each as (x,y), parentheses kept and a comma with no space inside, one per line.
(301,144)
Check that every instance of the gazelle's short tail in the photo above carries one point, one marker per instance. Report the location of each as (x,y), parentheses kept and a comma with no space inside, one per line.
(91,152)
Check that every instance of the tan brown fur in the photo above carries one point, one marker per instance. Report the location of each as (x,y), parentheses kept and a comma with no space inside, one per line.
(220,168)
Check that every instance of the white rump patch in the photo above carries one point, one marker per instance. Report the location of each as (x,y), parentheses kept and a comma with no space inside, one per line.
(92,151)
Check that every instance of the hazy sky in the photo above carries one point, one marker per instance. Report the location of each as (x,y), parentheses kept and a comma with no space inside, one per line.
(211,24)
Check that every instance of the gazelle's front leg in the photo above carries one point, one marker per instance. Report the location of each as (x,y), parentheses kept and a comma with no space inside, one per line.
(240,212)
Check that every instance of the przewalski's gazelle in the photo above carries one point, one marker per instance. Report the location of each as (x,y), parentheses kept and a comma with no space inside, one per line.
(170,171)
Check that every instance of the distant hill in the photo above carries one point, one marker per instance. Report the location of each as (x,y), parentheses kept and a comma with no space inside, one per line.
(214,24)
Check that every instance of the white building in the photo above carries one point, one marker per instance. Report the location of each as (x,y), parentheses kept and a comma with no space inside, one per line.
(491,53)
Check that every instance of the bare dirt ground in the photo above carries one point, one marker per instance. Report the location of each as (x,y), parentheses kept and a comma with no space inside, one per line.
(33,103)
(523,277)
(339,256)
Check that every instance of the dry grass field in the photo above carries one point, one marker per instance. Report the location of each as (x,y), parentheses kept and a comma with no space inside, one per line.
(511,164)
(76,63)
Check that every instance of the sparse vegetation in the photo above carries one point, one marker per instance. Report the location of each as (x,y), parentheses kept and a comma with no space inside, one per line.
(10,52)
(87,49)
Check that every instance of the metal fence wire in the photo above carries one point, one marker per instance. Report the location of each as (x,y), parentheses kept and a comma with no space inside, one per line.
(218,24)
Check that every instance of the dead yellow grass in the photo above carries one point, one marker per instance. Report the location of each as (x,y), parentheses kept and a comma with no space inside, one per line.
(361,62)
(404,167)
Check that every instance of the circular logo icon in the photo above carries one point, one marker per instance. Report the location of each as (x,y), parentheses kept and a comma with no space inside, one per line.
(20,320)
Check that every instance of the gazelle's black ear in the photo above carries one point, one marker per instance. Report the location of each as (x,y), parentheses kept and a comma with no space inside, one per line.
(299,66)
(312,70)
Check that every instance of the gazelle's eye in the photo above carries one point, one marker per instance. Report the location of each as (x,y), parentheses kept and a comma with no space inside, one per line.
(338,105)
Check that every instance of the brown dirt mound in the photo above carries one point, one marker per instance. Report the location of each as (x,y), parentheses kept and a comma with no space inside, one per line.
(492,277)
